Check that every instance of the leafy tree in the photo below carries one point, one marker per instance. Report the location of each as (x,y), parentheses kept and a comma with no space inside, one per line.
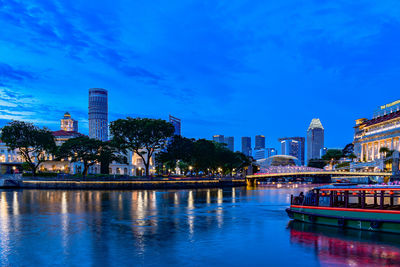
(204,155)
(32,142)
(83,149)
(333,154)
(317,163)
(141,135)
(108,154)
(348,150)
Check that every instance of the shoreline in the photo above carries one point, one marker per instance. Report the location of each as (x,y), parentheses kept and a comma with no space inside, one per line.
(126,184)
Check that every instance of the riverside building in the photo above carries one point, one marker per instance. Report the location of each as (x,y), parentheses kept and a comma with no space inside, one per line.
(370,135)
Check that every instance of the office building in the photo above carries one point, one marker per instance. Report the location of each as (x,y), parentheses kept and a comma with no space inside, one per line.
(315,139)
(323,152)
(259,142)
(219,138)
(293,146)
(230,143)
(98,114)
(176,123)
(259,154)
(68,124)
(269,152)
(246,145)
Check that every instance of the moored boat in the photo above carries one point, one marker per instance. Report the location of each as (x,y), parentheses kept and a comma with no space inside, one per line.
(366,207)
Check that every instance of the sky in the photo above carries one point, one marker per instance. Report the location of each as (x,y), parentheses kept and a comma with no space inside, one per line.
(237,68)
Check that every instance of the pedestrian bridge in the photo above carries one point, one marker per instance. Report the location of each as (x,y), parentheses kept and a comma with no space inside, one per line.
(252,179)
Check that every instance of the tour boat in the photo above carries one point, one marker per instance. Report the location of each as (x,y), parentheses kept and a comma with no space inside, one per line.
(366,207)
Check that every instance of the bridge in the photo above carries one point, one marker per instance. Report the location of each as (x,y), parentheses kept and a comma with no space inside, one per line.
(316,175)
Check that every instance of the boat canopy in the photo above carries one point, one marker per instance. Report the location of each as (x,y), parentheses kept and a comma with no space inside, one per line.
(355,187)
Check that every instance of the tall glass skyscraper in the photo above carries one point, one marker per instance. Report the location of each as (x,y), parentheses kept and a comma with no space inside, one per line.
(230,142)
(98,114)
(246,145)
(293,146)
(315,139)
(259,142)
(177,124)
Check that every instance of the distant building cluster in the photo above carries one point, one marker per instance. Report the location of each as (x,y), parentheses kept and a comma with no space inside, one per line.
(229,141)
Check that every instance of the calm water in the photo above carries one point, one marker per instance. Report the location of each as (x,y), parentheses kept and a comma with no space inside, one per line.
(213,227)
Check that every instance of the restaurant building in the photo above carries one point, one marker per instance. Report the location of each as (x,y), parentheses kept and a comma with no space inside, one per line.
(370,135)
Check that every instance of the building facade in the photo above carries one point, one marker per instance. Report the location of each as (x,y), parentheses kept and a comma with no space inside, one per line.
(98,114)
(176,123)
(230,142)
(315,139)
(293,146)
(68,124)
(219,138)
(259,142)
(269,152)
(246,145)
(370,135)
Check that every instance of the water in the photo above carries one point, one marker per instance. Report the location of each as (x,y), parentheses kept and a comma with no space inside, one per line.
(237,227)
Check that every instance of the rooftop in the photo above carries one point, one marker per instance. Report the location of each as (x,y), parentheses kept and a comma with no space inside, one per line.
(315,124)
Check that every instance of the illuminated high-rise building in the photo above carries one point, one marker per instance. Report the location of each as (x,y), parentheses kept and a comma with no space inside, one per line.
(259,142)
(293,146)
(68,124)
(230,142)
(315,139)
(219,138)
(246,145)
(177,124)
(98,114)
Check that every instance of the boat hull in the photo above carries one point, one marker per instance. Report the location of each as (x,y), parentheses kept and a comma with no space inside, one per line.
(372,220)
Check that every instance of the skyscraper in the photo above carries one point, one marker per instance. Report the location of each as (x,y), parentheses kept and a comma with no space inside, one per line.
(230,143)
(98,114)
(315,139)
(177,124)
(259,147)
(246,145)
(219,138)
(68,124)
(259,142)
(293,146)
(270,151)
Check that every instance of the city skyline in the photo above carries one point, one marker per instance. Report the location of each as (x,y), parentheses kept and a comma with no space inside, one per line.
(53,55)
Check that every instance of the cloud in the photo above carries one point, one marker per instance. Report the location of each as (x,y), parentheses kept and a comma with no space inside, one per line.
(11,74)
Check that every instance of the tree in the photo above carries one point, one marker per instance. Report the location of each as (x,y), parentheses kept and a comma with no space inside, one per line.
(32,142)
(108,154)
(317,163)
(82,149)
(348,150)
(385,151)
(333,154)
(142,136)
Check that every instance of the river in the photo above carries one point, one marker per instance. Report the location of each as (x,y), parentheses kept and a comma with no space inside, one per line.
(207,227)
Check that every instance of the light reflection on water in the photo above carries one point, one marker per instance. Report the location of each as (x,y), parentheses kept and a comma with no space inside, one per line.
(197,227)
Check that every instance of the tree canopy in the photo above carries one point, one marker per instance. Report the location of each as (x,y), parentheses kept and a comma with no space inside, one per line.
(33,143)
(141,135)
(202,156)
(83,149)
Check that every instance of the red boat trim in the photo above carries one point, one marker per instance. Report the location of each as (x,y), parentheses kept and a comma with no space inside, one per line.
(360,189)
(346,209)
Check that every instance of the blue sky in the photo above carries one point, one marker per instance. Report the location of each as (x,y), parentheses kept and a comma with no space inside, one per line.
(237,68)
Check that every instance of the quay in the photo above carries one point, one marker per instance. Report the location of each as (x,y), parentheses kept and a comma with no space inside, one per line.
(40,183)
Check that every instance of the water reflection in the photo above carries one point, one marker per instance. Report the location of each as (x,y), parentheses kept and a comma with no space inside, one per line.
(174,227)
(335,246)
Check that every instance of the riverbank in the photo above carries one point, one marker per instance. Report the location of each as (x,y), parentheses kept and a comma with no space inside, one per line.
(130,184)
